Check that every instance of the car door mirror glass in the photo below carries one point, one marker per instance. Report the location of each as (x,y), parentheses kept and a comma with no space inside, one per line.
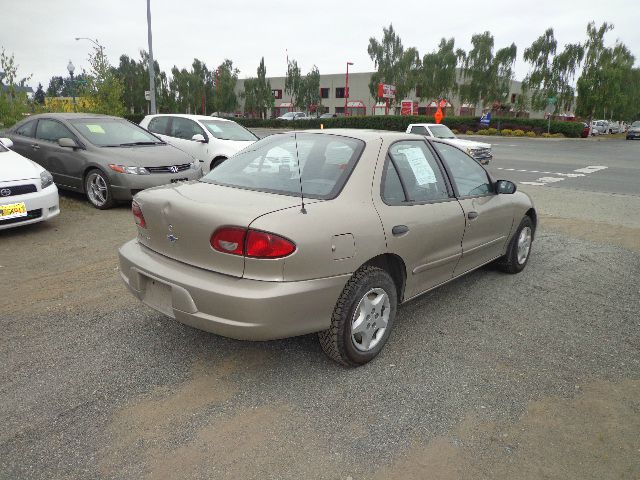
(505,186)
(67,142)
(198,137)
(7,142)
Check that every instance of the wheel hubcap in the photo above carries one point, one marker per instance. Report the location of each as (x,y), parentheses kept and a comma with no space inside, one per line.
(370,319)
(97,189)
(524,244)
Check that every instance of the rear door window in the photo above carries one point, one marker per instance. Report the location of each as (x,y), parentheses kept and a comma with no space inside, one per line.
(27,130)
(158,125)
(420,130)
(52,131)
(412,174)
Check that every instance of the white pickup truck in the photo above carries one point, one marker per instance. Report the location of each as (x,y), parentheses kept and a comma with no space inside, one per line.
(480,151)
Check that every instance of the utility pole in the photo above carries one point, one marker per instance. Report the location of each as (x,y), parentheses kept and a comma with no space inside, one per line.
(152,74)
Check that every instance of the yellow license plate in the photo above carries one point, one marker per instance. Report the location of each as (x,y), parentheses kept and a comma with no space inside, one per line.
(13,210)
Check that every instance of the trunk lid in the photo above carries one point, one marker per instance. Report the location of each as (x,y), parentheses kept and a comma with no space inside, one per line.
(180,220)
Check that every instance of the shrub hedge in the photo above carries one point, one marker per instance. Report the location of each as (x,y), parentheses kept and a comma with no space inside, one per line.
(399,123)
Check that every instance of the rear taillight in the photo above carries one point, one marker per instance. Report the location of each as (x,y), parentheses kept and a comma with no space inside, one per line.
(267,245)
(229,240)
(251,243)
(137,215)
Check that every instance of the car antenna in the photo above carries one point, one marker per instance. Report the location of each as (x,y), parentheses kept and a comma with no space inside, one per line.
(302,210)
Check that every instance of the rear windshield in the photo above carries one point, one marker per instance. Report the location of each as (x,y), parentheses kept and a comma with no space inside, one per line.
(271,165)
(228,131)
(441,131)
(111,132)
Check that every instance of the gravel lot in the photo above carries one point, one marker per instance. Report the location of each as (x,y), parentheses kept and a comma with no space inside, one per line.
(493,376)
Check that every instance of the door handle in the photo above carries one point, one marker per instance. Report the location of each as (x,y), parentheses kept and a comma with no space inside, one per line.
(35,147)
(472,215)
(399,230)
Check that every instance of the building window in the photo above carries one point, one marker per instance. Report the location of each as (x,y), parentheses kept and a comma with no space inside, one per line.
(418,91)
(277,94)
(324,93)
(339,92)
(339,111)
(513,98)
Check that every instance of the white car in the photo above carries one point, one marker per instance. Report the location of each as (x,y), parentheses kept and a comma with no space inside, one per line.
(27,192)
(209,139)
(480,151)
(289,116)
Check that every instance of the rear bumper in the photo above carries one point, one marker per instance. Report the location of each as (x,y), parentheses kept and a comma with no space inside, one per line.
(43,203)
(124,186)
(232,307)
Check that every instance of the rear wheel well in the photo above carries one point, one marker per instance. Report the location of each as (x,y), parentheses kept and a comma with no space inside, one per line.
(394,266)
(217,161)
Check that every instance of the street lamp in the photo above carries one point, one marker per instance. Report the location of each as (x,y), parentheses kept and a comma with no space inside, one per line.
(71,68)
(346,89)
(95,42)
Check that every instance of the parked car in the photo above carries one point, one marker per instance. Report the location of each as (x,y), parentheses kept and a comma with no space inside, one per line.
(210,140)
(599,127)
(375,219)
(480,151)
(585,130)
(27,192)
(633,131)
(107,158)
(289,116)
(613,127)
(328,115)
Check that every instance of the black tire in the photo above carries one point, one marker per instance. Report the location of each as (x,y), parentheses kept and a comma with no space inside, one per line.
(510,263)
(337,341)
(216,162)
(103,199)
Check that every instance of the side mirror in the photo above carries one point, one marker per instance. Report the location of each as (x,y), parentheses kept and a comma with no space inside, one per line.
(505,186)
(198,137)
(67,142)
(7,142)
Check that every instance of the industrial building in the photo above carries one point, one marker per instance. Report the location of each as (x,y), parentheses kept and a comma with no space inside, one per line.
(360,101)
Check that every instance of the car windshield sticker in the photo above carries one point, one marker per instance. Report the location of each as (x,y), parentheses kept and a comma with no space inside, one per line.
(95,128)
(419,165)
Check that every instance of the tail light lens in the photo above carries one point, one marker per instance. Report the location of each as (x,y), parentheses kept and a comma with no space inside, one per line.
(267,245)
(229,240)
(251,243)
(137,215)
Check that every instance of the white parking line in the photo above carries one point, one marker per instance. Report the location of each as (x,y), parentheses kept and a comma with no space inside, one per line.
(581,172)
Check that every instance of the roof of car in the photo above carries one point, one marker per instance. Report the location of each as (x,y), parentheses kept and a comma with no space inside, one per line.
(363,134)
(192,117)
(70,115)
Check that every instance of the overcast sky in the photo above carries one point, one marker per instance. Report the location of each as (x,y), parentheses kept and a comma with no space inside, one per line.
(326,33)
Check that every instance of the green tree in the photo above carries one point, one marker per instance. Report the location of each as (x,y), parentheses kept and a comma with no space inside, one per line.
(39,95)
(310,90)
(394,64)
(104,86)
(601,86)
(436,77)
(225,99)
(552,74)
(293,82)
(486,76)
(13,100)
(257,94)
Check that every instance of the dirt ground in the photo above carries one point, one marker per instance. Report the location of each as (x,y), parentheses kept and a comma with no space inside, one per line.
(67,268)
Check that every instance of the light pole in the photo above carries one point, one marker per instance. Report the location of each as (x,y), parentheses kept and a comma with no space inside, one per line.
(346,89)
(71,68)
(152,75)
(95,42)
